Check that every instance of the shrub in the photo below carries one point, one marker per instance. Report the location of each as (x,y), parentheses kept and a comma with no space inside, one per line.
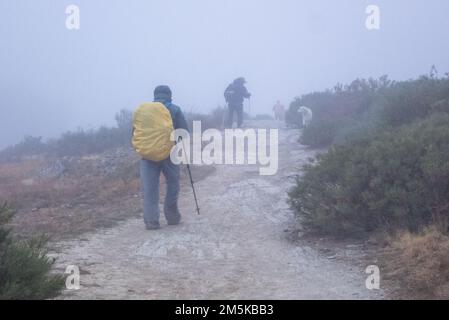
(25,269)
(398,179)
(292,117)
(408,101)
(370,103)
(334,110)
(81,142)
(27,147)
(320,133)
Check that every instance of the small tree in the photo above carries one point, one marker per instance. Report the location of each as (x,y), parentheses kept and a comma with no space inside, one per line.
(25,269)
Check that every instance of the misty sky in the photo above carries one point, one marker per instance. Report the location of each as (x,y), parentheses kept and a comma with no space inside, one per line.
(53,79)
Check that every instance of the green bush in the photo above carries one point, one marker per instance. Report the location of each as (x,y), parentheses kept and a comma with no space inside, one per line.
(370,103)
(83,142)
(292,117)
(320,133)
(336,110)
(25,269)
(408,101)
(398,179)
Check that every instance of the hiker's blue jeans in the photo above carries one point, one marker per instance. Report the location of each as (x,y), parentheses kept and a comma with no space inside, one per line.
(150,172)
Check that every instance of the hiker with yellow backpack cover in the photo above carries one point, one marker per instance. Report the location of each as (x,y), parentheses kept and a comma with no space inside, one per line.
(153,123)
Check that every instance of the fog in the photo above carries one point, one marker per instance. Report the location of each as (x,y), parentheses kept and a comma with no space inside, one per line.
(54,79)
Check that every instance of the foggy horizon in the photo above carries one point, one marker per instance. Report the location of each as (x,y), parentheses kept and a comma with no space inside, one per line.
(54,79)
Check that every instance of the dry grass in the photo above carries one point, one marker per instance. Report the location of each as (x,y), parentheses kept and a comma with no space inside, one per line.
(67,205)
(20,170)
(81,200)
(419,263)
(37,193)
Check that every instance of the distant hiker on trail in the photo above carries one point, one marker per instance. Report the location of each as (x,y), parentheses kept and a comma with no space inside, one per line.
(234,94)
(152,125)
(279,111)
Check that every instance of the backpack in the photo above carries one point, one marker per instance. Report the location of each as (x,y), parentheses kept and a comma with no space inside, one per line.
(153,127)
(230,93)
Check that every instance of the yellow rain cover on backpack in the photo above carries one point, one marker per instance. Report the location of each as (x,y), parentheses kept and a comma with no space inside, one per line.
(153,126)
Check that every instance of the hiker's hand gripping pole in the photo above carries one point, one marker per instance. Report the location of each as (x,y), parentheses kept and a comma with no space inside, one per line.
(190,175)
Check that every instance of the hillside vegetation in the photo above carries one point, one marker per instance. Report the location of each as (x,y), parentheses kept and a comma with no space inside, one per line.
(386,171)
(82,142)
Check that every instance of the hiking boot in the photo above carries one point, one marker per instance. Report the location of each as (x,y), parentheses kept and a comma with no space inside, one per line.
(172,215)
(152,226)
(174,222)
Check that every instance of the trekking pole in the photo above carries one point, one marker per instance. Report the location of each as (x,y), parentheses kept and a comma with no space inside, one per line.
(190,176)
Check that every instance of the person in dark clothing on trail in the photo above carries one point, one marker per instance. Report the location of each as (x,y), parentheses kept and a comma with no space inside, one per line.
(151,170)
(235,94)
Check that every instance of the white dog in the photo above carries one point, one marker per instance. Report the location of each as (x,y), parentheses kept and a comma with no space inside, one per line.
(306,114)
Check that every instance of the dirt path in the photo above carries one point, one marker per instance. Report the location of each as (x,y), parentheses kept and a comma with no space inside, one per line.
(237,248)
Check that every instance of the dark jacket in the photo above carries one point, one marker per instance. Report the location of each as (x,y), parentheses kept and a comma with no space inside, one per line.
(179,121)
(235,93)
